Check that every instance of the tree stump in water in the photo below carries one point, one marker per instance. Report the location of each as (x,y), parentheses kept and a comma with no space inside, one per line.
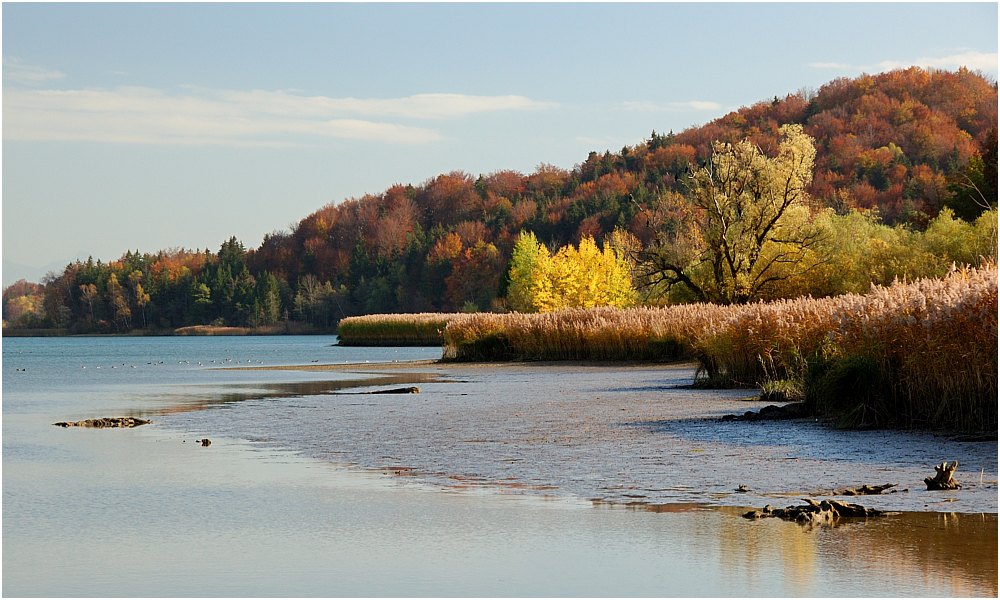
(944,480)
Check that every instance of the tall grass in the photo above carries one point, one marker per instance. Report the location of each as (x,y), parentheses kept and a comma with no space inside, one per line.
(910,354)
(423,329)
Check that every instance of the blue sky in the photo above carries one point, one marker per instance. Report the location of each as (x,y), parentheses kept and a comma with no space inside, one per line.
(151,126)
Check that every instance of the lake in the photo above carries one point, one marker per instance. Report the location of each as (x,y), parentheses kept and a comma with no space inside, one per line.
(494,480)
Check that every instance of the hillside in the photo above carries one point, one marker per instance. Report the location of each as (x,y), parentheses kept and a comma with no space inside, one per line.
(906,143)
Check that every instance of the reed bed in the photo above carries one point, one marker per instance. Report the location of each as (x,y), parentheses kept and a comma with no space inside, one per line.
(420,329)
(910,354)
(606,334)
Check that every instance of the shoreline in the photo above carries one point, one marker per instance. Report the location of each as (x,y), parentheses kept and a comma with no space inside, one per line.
(188,331)
(463,365)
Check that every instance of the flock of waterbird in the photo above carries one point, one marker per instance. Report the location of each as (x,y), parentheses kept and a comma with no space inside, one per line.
(200,363)
(229,361)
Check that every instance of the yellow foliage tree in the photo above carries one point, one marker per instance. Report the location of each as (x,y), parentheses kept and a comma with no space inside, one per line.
(530,286)
(584,276)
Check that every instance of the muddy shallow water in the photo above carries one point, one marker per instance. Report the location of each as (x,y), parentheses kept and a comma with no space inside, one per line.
(625,435)
(495,480)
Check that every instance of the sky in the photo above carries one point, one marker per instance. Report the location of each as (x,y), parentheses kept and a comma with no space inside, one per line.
(137,126)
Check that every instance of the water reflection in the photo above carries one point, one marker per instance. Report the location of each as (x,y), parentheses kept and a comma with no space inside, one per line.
(906,553)
(950,554)
(143,512)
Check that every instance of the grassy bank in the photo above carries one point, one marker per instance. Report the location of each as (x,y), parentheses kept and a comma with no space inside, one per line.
(423,329)
(912,354)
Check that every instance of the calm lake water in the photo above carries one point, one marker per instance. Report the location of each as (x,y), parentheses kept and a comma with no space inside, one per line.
(505,480)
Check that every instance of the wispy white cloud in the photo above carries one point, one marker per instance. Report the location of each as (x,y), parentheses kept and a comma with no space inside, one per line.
(981,61)
(17,71)
(420,106)
(646,106)
(970,59)
(232,117)
(834,65)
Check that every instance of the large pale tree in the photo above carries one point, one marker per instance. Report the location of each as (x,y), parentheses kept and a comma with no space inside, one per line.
(743,225)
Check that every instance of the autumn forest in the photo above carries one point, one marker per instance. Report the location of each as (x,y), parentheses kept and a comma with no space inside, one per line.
(866,180)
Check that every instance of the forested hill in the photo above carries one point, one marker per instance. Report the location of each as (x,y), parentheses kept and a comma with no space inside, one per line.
(907,143)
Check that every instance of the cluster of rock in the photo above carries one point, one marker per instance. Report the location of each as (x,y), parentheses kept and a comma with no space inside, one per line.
(772,412)
(830,512)
(826,512)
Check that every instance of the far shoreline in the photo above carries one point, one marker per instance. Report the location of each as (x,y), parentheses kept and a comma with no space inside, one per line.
(288,328)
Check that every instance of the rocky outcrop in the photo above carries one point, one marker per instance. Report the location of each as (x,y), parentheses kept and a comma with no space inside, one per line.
(105,422)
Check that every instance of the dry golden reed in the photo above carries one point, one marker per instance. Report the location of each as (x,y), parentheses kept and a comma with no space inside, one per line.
(909,354)
(921,353)
(423,329)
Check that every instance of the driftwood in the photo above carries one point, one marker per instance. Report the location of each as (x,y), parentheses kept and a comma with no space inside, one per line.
(105,422)
(867,490)
(827,512)
(944,479)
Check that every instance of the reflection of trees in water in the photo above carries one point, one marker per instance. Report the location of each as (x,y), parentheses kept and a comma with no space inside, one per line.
(949,553)
(208,397)
(768,550)
(957,552)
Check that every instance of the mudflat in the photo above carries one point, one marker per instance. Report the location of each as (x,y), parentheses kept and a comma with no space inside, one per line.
(623,434)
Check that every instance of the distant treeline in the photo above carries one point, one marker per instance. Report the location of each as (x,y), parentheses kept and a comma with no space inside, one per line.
(891,151)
